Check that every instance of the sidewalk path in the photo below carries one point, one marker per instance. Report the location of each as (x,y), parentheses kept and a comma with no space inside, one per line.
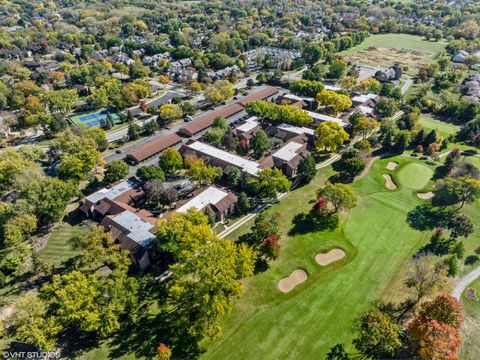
(465,281)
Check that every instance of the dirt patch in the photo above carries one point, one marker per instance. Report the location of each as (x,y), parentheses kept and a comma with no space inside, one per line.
(376,55)
(425,196)
(390,185)
(288,284)
(326,258)
(392,165)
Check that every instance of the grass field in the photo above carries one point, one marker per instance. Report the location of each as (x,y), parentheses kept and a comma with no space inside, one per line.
(429,123)
(414,175)
(388,49)
(471,346)
(317,314)
(59,248)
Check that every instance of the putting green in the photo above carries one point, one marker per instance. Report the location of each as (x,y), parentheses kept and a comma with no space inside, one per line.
(414,175)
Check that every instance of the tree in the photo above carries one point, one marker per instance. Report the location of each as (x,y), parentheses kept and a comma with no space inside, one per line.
(312,53)
(163,352)
(156,194)
(307,169)
(353,166)
(221,90)
(233,175)
(451,192)
(379,336)
(402,141)
(48,198)
(274,113)
(260,143)
(134,131)
(60,103)
(334,101)
(306,87)
(115,170)
(459,225)
(337,69)
(32,323)
(171,161)
(329,136)
(425,277)
(268,183)
(150,127)
(197,170)
(364,125)
(265,226)
(270,247)
(368,85)
(89,302)
(434,332)
(244,204)
(168,113)
(387,107)
(340,197)
(150,172)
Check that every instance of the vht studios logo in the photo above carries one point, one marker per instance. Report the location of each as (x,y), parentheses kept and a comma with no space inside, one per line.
(31,355)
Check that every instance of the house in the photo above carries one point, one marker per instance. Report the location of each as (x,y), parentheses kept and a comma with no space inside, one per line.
(223,203)
(460,56)
(218,157)
(319,118)
(267,93)
(362,99)
(288,157)
(247,129)
(392,74)
(471,87)
(134,233)
(153,148)
(300,101)
(204,122)
(133,229)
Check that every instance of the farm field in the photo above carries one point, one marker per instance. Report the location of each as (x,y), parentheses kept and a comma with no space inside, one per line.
(267,323)
(387,49)
(471,347)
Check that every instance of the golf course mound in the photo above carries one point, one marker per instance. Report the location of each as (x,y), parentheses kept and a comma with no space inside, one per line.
(392,165)
(415,175)
(389,184)
(296,277)
(327,258)
(425,196)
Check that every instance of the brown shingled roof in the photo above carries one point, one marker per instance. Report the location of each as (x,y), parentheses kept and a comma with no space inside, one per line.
(153,147)
(205,121)
(259,95)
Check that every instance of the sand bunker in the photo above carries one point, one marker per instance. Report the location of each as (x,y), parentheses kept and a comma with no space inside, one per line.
(425,196)
(326,258)
(390,185)
(288,284)
(392,165)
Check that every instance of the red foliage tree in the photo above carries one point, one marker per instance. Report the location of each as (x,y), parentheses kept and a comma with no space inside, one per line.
(271,247)
(435,333)
(163,352)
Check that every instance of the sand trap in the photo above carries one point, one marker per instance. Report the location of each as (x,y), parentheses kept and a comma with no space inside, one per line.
(326,258)
(288,284)
(392,165)
(425,196)
(390,185)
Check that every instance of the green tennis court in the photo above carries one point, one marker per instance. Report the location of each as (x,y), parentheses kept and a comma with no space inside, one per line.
(95,118)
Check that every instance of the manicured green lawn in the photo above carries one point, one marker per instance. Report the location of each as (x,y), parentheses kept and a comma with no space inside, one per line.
(471,329)
(305,323)
(400,41)
(429,123)
(414,175)
(59,247)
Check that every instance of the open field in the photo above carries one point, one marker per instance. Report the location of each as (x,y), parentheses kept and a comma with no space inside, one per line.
(429,123)
(266,324)
(471,328)
(387,49)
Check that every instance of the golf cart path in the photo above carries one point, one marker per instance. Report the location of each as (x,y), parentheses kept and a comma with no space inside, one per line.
(465,281)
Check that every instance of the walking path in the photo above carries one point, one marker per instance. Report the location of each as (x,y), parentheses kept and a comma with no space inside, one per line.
(465,281)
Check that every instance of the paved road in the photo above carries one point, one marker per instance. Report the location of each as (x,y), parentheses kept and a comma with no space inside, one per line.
(407,85)
(465,281)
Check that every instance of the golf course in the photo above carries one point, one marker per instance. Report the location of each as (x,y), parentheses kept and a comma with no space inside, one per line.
(318,312)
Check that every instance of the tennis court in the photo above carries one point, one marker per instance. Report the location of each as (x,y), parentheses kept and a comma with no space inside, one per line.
(95,118)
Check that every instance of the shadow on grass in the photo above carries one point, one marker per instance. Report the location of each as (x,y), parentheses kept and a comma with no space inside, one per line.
(302,224)
(425,217)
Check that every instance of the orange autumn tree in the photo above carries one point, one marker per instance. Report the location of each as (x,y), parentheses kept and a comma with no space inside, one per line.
(163,352)
(435,331)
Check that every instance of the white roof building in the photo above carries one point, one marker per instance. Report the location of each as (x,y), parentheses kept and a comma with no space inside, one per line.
(111,193)
(288,152)
(296,129)
(321,118)
(246,165)
(211,195)
(360,99)
(138,228)
(249,124)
